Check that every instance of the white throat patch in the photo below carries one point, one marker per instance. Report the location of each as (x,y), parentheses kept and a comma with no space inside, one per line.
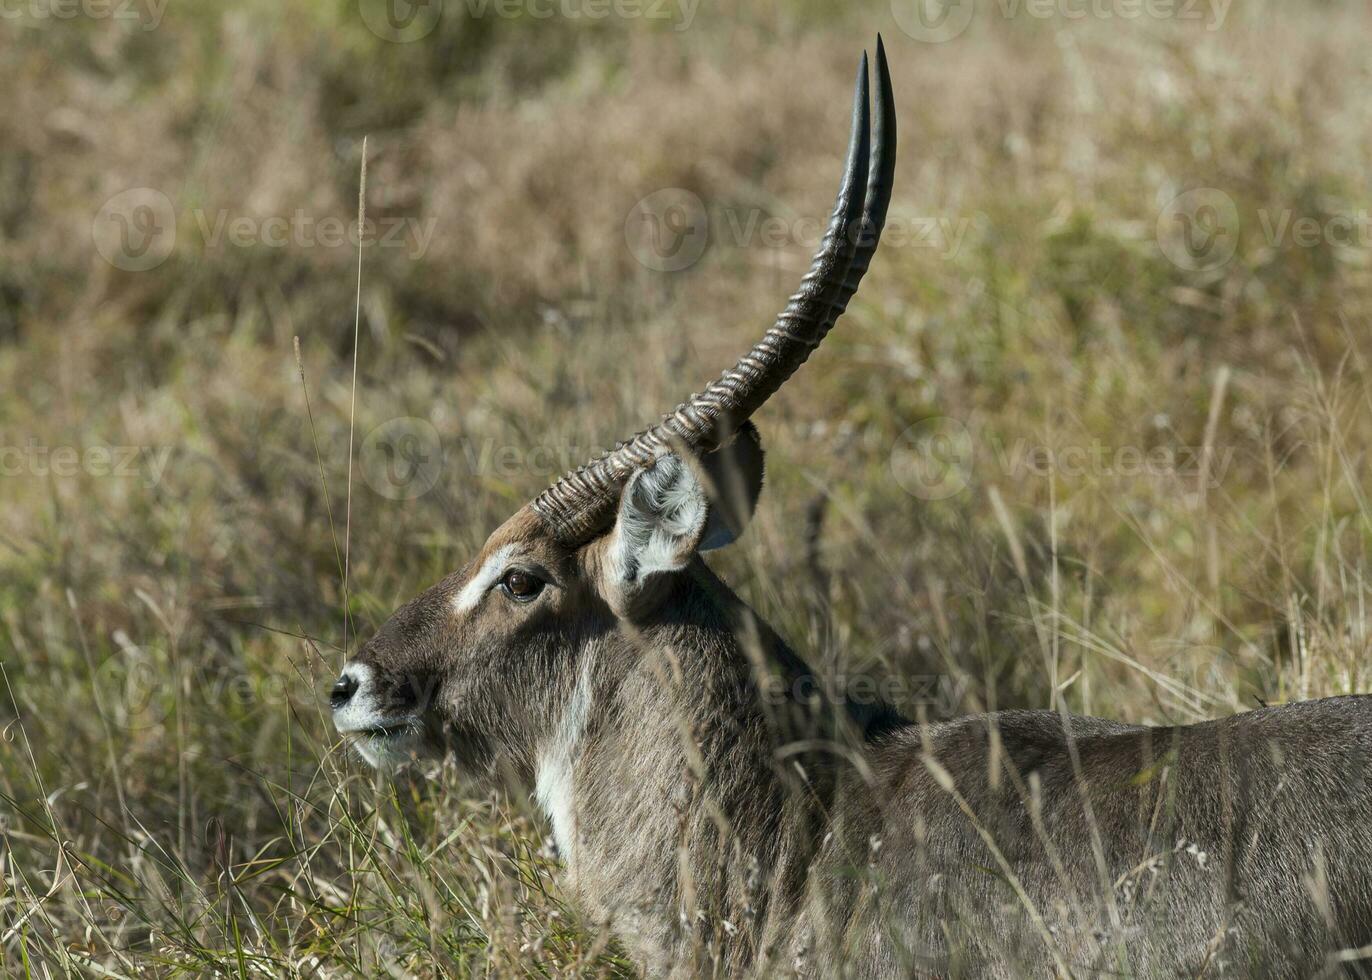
(554,784)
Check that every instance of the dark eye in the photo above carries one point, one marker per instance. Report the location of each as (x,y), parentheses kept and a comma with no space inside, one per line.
(521,586)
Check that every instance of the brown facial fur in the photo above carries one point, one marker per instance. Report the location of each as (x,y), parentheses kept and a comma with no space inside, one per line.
(483,676)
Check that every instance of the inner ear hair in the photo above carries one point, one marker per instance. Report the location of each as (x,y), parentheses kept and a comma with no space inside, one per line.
(662,518)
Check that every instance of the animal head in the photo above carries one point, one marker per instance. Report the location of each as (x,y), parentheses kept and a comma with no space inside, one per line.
(483,663)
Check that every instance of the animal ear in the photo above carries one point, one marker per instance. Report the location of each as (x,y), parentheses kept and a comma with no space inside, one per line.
(681,504)
(731,477)
(663,517)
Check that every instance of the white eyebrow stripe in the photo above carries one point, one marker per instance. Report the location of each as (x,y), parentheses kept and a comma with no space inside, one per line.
(482,581)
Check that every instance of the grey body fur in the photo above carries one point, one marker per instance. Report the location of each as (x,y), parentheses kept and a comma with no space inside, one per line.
(1233,847)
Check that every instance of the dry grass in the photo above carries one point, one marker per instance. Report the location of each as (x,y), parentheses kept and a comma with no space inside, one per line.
(171,798)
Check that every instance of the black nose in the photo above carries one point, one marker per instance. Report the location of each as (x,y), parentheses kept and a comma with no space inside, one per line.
(343,690)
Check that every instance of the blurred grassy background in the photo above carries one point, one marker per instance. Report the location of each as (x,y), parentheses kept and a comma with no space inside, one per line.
(1046,455)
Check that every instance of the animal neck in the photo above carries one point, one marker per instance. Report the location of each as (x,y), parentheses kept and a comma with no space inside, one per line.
(556,760)
(669,801)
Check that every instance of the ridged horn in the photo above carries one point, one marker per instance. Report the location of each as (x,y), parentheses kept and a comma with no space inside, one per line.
(581,504)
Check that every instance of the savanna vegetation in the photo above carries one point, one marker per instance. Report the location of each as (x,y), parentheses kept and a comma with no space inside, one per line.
(1094,432)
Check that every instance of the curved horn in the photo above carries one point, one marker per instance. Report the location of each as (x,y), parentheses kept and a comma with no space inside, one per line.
(581,504)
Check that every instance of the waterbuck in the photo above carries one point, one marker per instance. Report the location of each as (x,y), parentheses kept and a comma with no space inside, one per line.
(720,818)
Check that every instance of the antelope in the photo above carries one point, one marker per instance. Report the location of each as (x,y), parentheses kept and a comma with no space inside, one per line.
(721,817)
